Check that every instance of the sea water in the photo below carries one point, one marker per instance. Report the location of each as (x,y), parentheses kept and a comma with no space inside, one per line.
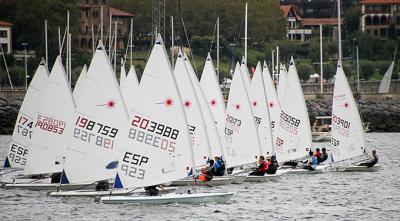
(326,196)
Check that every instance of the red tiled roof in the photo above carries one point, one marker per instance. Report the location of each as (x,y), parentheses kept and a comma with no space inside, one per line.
(285,9)
(317,21)
(3,23)
(380,1)
(117,12)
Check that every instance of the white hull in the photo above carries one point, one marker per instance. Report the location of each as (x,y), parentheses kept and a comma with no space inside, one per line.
(50,186)
(238,179)
(266,177)
(321,136)
(319,169)
(170,198)
(354,168)
(117,192)
(216,181)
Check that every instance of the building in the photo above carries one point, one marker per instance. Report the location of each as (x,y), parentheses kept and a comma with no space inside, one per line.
(90,19)
(6,36)
(301,28)
(313,8)
(380,17)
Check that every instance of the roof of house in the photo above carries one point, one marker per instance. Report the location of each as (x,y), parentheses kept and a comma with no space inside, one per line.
(119,13)
(317,21)
(380,1)
(285,9)
(3,23)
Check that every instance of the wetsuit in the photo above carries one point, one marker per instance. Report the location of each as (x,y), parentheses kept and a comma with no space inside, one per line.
(219,166)
(371,162)
(322,158)
(312,164)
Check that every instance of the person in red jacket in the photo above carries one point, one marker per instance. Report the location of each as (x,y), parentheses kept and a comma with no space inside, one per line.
(261,169)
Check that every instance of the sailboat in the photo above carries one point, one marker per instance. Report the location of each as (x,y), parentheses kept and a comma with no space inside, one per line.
(384,86)
(246,74)
(18,151)
(293,132)
(213,94)
(129,87)
(274,106)
(52,132)
(216,148)
(241,134)
(148,162)
(79,85)
(99,125)
(348,141)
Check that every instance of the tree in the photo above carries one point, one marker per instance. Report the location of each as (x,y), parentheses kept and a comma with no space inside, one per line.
(305,70)
(329,70)
(366,69)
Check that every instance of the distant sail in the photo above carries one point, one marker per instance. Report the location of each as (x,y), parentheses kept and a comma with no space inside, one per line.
(18,152)
(122,76)
(385,83)
(79,85)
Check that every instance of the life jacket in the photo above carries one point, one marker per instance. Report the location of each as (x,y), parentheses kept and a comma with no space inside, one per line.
(317,154)
(263,167)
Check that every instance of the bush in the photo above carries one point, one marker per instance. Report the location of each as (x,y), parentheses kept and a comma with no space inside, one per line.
(367,69)
(304,71)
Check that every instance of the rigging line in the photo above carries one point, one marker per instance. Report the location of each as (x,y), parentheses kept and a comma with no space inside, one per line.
(212,41)
(190,48)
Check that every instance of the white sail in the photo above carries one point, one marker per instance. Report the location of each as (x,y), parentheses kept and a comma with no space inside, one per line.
(259,102)
(246,74)
(213,94)
(23,129)
(274,105)
(212,131)
(194,115)
(283,75)
(122,76)
(347,131)
(54,123)
(99,125)
(158,147)
(79,85)
(129,87)
(293,136)
(384,86)
(241,134)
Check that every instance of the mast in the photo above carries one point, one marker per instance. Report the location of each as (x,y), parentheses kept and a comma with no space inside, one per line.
(46,48)
(339,33)
(68,61)
(277,63)
(321,59)
(218,48)
(110,35)
(245,36)
(101,23)
(358,70)
(131,42)
(172,40)
(59,41)
(115,46)
(93,46)
(273,65)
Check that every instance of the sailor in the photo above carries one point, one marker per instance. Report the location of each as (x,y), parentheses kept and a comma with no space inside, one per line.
(323,157)
(373,159)
(207,172)
(219,166)
(312,162)
(55,177)
(317,153)
(272,165)
(261,169)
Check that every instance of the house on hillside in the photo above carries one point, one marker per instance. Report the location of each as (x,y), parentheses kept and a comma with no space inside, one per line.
(380,17)
(6,36)
(90,18)
(301,28)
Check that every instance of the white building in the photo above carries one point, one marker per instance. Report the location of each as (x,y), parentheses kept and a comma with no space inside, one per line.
(5,36)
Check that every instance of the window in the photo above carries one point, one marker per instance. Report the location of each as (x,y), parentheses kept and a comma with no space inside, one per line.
(3,34)
(95,13)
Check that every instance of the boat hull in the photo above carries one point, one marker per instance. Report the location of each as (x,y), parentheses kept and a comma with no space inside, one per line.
(170,198)
(124,192)
(266,177)
(50,186)
(354,168)
(216,181)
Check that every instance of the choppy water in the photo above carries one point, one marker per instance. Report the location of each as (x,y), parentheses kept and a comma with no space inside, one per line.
(327,196)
